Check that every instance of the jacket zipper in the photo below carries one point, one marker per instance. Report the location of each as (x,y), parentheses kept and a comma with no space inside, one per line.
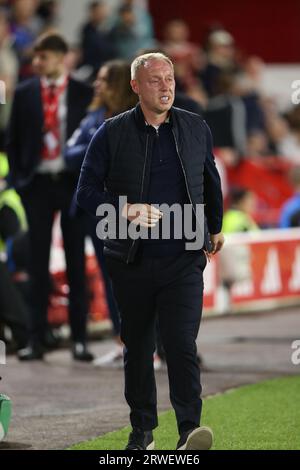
(157,136)
(185,178)
(142,188)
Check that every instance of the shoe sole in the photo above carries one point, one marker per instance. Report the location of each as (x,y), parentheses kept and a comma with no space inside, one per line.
(151,446)
(31,359)
(200,439)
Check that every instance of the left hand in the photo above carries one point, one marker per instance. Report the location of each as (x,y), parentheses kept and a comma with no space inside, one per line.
(217,241)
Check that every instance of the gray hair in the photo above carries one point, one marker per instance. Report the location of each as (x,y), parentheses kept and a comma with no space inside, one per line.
(141,61)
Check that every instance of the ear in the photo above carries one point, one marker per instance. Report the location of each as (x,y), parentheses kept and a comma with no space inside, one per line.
(134,86)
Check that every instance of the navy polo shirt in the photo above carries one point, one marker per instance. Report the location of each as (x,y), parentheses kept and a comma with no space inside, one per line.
(167,185)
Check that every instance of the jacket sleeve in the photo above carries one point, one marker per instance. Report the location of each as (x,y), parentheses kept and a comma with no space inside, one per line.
(76,146)
(286,214)
(91,192)
(12,138)
(213,198)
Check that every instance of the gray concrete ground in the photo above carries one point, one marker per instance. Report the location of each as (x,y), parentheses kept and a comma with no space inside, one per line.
(57,403)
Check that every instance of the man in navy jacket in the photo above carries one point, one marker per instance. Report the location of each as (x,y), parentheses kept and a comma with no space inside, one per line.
(45,113)
(156,154)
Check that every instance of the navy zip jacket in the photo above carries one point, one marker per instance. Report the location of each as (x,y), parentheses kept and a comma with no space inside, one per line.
(118,162)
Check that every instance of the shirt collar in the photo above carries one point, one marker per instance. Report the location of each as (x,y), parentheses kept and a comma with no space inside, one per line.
(46,82)
(166,121)
(140,118)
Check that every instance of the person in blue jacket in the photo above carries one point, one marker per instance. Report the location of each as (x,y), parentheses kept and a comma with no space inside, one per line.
(290,212)
(112,95)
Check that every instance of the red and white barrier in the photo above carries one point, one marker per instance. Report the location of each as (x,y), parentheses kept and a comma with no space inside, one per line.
(263,269)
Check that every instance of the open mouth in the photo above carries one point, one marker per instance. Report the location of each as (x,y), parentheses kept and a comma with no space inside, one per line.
(165,99)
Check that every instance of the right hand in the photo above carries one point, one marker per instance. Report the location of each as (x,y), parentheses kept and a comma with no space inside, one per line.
(144,215)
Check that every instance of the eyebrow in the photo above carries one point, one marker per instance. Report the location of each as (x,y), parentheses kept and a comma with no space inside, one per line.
(159,76)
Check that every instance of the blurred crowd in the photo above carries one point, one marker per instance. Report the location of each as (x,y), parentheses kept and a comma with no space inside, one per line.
(222,80)
(213,79)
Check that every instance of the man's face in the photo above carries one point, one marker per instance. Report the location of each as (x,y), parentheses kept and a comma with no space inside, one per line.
(99,13)
(155,86)
(48,63)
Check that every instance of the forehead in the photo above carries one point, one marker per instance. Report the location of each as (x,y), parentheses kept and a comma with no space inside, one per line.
(155,66)
(47,53)
(103,71)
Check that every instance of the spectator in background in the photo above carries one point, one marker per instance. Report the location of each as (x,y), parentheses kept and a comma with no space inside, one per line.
(288,143)
(248,85)
(257,144)
(8,71)
(143,26)
(187,57)
(277,128)
(25,27)
(48,13)
(226,114)
(220,58)
(239,218)
(248,88)
(250,77)
(290,213)
(13,309)
(112,95)
(56,104)
(96,46)
(12,215)
(123,34)
(5,4)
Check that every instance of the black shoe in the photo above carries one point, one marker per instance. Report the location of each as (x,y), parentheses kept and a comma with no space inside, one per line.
(140,440)
(51,340)
(31,353)
(200,438)
(81,353)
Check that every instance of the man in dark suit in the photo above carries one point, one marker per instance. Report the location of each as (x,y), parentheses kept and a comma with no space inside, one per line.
(157,155)
(45,113)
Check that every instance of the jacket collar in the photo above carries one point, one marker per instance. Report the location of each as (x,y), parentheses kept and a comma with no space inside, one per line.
(140,118)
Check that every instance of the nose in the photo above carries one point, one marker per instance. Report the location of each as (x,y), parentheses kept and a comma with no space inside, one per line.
(164,85)
(36,61)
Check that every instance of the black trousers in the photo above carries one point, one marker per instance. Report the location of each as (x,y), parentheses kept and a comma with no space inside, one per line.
(172,288)
(45,196)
